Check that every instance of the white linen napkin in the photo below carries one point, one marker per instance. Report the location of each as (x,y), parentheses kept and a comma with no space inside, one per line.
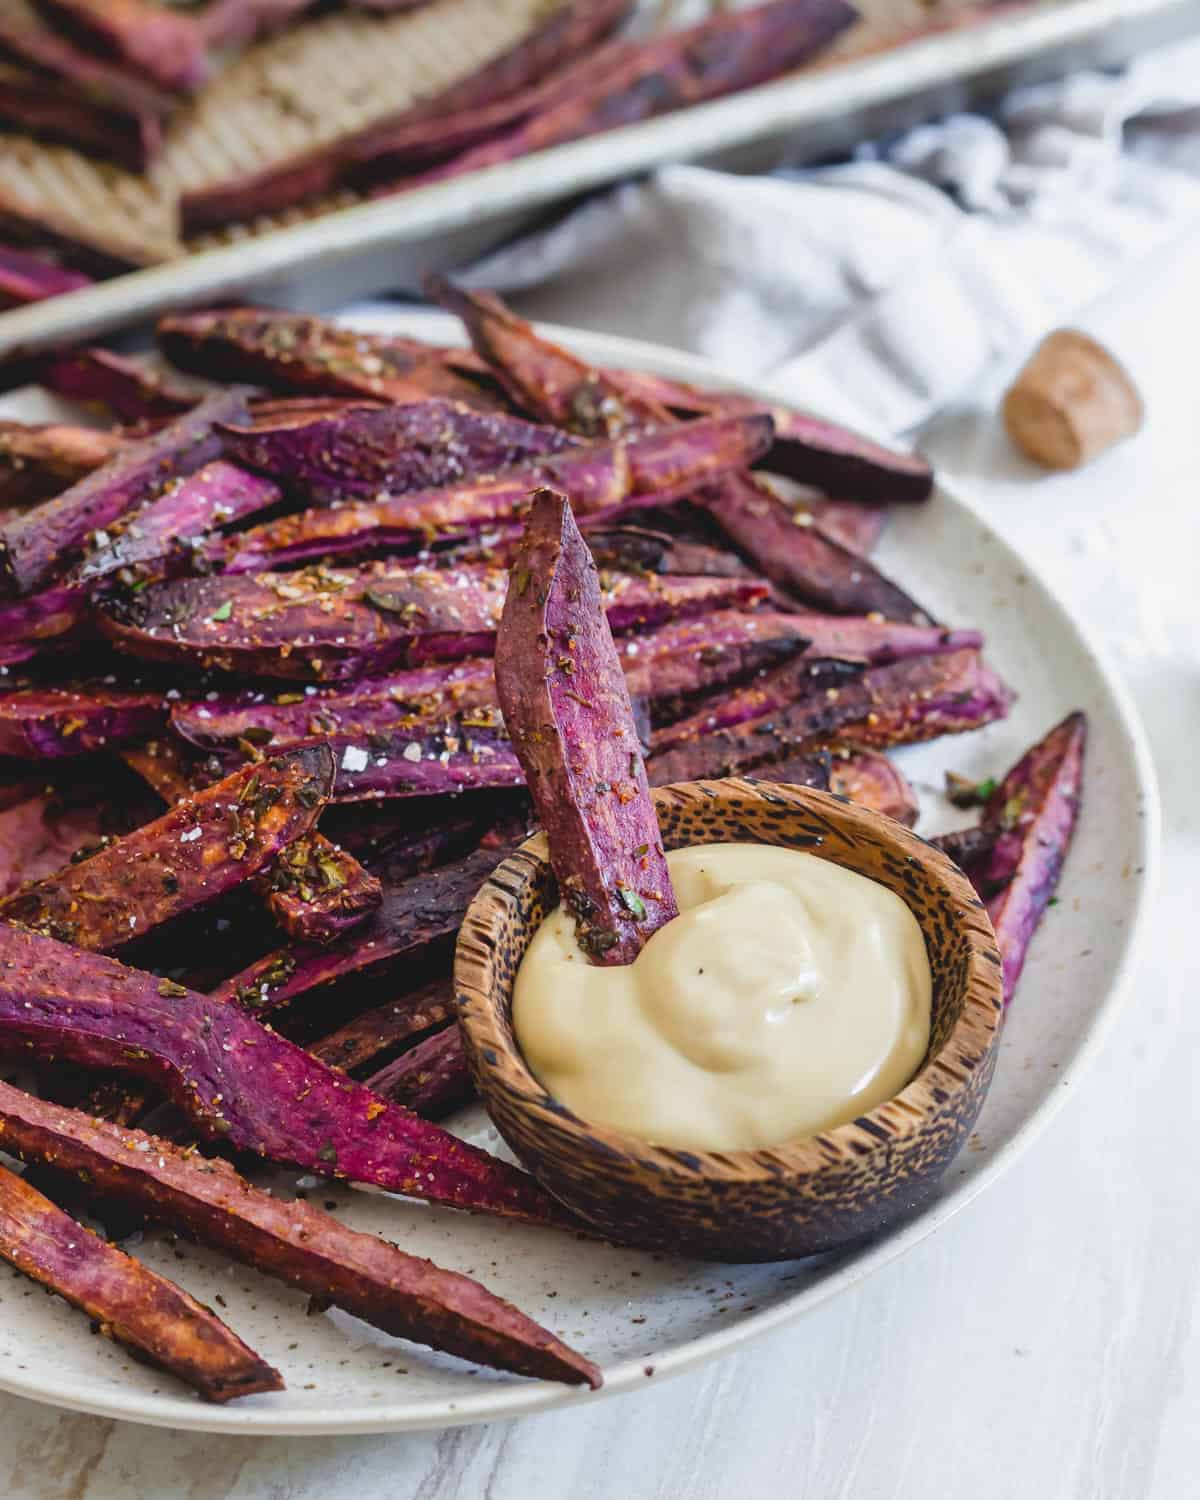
(883,287)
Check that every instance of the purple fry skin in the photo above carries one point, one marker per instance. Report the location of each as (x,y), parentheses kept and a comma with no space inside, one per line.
(544,378)
(49,723)
(44,616)
(162,535)
(39,835)
(156,43)
(637,549)
(237,23)
(415,916)
(369,452)
(733,50)
(55,90)
(368,1035)
(800,558)
(297,352)
(906,702)
(493,96)
(132,1304)
(834,459)
(968,848)
(25,277)
(877,642)
(768,692)
(872,780)
(199,849)
(541,376)
(432,1078)
(794,769)
(1034,809)
(238,1082)
(676,659)
(124,386)
(604,478)
(325,624)
(40,544)
(366,707)
(40,459)
(567,709)
(292,1240)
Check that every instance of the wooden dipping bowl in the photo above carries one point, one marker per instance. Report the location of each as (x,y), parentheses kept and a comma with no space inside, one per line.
(810,1195)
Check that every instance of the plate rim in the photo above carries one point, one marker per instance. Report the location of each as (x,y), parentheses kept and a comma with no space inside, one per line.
(510,1401)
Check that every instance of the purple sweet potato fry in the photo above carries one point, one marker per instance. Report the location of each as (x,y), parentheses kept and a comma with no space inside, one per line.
(702,760)
(17,655)
(878,642)
(385,1027)
(38,460)
(44,616)
(1034,808)
(873,781)
(454,117)
(968,848)
(733,50)
(318,892)
(162,535)
(849,523)
(62,92)
(152,41)
(326,624)
(238,1082)
(40,544)
(360,708)
(540,376)
(567,708)
(45,723)
(295,352)
(432,1078)
(198,850)
(836,460)
(38,105)
(676,659)
(799,678)
(604,478)
(126,1301)
(693,655)
(379,155)
(290,1240)
(638,549)
(123,386)
(435,758)
(25,277)
(371,452)
(800,558)
(237,23)
(39,835)
(909,701)
(415,915)
(170,768)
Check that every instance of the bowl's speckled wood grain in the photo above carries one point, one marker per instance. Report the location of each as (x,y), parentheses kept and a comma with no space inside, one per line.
(631,1311)
(798,1199)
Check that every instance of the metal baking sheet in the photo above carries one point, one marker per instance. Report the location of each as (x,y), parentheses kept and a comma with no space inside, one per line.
(389,243)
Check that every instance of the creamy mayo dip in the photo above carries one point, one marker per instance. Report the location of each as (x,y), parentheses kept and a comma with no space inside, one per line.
(788,996)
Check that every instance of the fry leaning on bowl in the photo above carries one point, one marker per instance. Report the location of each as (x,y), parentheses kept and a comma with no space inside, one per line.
(748,983)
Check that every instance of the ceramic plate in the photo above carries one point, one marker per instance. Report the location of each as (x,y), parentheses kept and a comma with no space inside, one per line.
(645,1317)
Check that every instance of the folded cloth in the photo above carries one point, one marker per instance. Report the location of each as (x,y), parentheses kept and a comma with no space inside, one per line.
(883,286)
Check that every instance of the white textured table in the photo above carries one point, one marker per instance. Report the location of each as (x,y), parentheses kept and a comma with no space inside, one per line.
(1047,1342)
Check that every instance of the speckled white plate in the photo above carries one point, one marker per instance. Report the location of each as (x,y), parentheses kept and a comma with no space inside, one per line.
(646,1317)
